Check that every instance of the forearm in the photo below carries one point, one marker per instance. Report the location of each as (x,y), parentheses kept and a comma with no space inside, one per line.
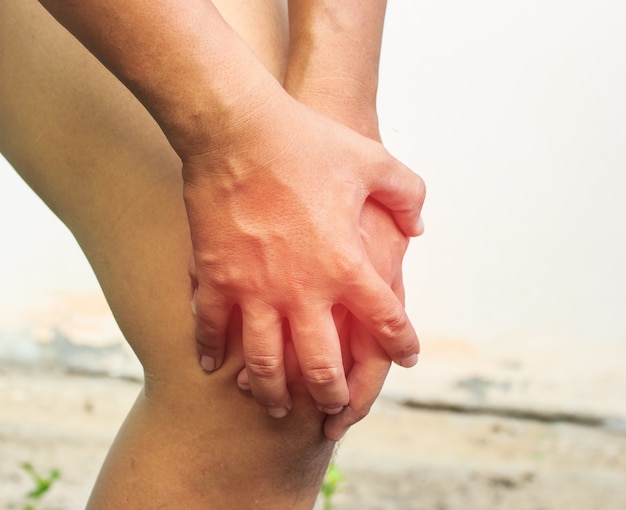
(179,58)
(334,56)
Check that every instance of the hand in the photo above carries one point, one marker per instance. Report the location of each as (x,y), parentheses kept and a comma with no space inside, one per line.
(365,363)
(286,191)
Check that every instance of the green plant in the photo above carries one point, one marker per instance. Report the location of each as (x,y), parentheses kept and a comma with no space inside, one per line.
(42,486)
(331,482)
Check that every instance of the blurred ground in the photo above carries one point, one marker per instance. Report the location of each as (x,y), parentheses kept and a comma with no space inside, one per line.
(398,458)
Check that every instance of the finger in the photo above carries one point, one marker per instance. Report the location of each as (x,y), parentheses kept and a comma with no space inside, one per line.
(375,305)
(343,321)
(420,226)
(212,316)
(403,192)
(193,272)
(318,350)
(242,380)
(264,358)
(396,283)
(397,286)
(365,381)
(292,369)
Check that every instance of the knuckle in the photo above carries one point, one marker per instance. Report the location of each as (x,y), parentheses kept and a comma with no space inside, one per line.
(267,401)
(215,273)
(208,335)
(392,324)
(207,349)
(348,267)
(207,306)
(264,367)
(218,277)
(322,376)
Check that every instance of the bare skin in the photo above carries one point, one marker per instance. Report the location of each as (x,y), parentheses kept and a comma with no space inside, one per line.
(285,186)
(92,152)
(334,54)
(103,165)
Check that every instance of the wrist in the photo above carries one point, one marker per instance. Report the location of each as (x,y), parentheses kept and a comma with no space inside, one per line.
(341,99)
(333,59)
(226,119)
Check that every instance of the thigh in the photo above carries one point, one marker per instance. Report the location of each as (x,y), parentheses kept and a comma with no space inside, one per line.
(94,155)
(99,161)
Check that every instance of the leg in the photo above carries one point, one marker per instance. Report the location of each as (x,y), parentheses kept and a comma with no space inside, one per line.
(94,155)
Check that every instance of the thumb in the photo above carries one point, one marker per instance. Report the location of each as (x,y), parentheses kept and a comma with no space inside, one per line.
(402,192)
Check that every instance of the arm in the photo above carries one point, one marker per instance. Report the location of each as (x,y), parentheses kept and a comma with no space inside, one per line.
(334,57)
(179,58)
(284,186)
(333,67)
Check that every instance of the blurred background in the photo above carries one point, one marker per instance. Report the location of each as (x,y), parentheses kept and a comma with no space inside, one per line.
(514,113)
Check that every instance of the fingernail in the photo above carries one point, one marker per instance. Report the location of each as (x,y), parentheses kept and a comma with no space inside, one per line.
(245,386)
(193,302)
(331,410)
(277,412)
(409,361)
(207,363)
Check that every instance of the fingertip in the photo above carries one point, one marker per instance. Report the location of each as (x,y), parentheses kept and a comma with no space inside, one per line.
(409,222)
(331,410)
(242,380)
(208,363)
(277,412)
(210,329)
(193,303)
(408,362)
(336,427)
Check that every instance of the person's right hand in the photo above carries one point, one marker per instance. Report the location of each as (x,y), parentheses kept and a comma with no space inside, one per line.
(274,212)
(342,97)
(366,364)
